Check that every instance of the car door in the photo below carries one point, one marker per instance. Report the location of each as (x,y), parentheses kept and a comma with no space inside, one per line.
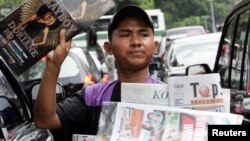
(15,117)
(233,57)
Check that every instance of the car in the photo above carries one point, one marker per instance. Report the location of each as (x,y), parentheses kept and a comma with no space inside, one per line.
(16,120)
(178,32)
(188,51)
(77,70)
(233,59)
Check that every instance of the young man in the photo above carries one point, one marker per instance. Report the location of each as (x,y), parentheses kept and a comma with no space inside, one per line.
(131,41)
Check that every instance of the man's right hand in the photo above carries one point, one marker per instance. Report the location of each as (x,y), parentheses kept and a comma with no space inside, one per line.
(45,107)
(58,55)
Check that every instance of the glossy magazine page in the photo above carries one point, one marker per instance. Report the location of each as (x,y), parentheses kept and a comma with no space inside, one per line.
(85,12)
(32,30)
(143,122)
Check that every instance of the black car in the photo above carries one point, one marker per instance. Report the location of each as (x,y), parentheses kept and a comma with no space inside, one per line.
(233,59)
(15,113)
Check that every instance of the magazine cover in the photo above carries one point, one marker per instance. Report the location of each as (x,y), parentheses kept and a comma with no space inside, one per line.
(145,93)
(198,92)
(145,122)
(32,30)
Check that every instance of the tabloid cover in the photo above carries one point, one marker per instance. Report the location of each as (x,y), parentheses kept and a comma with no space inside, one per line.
(145,122)
(202,92)
(31,31)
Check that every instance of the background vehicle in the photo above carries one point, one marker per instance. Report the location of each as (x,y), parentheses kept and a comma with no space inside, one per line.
(15,114)
(179,32)
(101,26)
(234,49)
(188,51)
(77,70)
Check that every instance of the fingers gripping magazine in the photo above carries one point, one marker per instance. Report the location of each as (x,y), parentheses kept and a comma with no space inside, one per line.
(32,30)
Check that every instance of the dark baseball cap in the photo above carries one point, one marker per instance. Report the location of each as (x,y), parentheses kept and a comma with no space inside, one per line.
(128,11)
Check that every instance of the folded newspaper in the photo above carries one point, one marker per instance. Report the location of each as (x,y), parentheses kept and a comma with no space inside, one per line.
(202,92)
(146,122)
(31,31)
(145,93)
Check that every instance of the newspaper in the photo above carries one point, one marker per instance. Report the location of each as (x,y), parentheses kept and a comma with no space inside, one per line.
(31,31)
(145,122)
(81,137)
(202,92)
(145,93)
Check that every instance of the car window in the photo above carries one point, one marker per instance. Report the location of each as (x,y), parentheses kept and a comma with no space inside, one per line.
(36,71)
(225,55)
(11,110)
(238,50)
(69,62)
(246,75)
(92,64)
(200,50)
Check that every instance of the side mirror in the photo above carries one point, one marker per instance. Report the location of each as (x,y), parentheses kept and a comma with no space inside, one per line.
(198,69)
(60,93)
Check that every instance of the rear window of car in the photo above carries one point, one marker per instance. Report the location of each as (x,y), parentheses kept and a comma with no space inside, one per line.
(69,68)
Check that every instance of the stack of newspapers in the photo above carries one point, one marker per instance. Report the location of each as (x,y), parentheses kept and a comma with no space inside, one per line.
(182,109)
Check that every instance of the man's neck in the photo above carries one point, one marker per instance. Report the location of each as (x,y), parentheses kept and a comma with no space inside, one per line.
(133,76)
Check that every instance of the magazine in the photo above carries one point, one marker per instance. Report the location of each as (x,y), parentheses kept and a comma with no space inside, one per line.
(145,122)
(202,92)
(32,30)
(145,93)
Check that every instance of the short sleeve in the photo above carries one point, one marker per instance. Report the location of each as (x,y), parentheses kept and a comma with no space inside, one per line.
(73,111)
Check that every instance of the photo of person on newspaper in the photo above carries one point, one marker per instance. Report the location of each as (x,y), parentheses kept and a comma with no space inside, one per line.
(131,41)
(154,125)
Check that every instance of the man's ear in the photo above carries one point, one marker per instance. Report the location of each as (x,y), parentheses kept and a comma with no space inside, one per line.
(156,45)
(108,48)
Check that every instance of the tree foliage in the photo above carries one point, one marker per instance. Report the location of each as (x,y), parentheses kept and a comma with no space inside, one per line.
(189,12)
(176,12)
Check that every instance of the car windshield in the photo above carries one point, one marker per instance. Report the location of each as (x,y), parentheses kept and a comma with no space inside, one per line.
(36,71)
(194,52)
(188,32)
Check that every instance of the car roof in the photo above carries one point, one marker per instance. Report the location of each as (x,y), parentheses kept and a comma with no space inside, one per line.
(189,30)
(185,46)
(198,37)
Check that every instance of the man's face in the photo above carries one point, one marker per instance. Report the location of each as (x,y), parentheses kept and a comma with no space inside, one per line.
(133,44)
(49,18)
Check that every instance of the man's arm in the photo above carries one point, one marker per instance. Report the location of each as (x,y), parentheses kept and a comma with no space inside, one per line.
(45,107)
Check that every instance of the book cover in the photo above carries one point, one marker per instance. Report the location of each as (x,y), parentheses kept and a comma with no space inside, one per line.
(32,30)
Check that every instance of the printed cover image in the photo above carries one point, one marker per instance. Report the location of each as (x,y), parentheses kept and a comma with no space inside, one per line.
(32,30)
(161,123)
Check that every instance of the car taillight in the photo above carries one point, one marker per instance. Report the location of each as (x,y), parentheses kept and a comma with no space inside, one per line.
(105,78)
(88,80)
